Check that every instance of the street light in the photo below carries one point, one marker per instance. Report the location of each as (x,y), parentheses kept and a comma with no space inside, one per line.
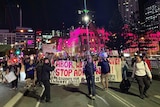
(20,14)
(86,19)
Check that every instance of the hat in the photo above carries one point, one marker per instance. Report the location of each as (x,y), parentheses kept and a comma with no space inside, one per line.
(103,55)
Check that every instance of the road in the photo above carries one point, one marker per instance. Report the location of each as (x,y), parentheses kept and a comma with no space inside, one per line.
(72,96)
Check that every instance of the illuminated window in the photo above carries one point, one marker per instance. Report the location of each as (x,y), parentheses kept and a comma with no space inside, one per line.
(127,9)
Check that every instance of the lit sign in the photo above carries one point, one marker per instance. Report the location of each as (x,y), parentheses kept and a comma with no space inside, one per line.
(30,42)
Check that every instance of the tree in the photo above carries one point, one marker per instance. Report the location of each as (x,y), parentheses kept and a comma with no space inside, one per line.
(118,42)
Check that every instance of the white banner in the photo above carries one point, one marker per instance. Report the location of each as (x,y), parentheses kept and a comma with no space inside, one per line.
(48,48)
(71,72)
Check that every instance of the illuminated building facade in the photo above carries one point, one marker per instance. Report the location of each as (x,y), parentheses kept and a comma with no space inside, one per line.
(152,15)
(77,43)
(26,36)
(155,39)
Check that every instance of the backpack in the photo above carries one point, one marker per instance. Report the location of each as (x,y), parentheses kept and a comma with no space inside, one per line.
(125,85)
(105,67)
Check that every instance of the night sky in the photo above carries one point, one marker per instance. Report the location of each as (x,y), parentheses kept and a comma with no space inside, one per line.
(50,14)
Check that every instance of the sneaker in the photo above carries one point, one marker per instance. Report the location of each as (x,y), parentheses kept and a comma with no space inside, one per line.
(142,96)
(48,101)
(93,97)
(90,95)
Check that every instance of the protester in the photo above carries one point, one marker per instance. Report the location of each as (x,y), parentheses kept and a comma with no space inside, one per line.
(22,70)
(105,70)
(30,73)
(89,71)
(45,78)
(124,67)
(13,67)
(39,65)
(141,72)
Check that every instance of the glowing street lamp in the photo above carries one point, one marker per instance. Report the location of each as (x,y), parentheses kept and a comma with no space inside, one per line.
(86,19)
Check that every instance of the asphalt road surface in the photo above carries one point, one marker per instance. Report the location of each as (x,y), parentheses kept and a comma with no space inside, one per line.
(72,96)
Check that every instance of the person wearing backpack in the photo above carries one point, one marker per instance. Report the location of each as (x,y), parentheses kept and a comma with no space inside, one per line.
(105,70)
(143,76)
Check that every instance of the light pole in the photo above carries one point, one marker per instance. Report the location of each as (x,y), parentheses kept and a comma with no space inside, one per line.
(86,19)
(20,14)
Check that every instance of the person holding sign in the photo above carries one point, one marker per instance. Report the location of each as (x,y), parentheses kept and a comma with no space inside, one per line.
(89,71)
(45,78)
(14,68)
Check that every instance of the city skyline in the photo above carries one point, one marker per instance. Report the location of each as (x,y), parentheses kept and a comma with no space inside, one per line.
(58,14)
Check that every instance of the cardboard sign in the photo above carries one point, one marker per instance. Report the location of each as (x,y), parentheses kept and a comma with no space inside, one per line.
(10,77)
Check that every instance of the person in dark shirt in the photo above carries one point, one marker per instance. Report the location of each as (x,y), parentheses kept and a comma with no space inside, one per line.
(89,71)
(105,70)
(39,65)
(45,78)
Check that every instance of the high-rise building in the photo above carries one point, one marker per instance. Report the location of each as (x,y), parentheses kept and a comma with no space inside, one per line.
(6,37)
(129,10)
(152,15)
(26,36)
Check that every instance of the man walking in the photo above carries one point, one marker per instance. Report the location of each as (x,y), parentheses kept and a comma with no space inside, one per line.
(105,70)
(89,71)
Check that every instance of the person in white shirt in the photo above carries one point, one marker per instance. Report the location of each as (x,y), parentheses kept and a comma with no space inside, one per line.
(141,72)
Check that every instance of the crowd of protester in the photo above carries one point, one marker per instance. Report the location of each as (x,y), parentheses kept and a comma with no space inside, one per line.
(33,66)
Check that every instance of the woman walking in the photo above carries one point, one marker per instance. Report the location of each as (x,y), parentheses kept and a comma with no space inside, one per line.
(141,72)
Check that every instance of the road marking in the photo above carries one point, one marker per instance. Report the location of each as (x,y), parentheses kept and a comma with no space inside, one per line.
(38,103)
(125,102)
(157,96)
(103,100)
(14,100)
(89,105)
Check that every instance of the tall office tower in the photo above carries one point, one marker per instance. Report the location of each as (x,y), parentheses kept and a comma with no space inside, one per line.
(129,10)
(152,15)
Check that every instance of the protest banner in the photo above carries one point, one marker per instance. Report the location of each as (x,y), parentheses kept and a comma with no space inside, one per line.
(48,48)
(71,72)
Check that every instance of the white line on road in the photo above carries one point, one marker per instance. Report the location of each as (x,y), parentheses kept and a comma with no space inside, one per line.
(89,105)
(125,102)
(38,103)
(14,100)
(157,96)
(103,100)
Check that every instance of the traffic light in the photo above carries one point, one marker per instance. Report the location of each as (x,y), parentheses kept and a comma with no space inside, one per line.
(38,39)
(18,52)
